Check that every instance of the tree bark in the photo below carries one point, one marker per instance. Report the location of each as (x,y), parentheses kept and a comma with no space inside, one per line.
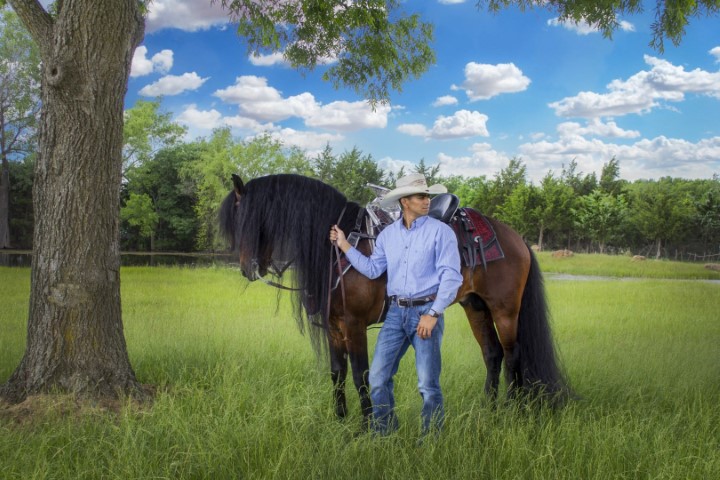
(5,204)
(75,340)
(540,236)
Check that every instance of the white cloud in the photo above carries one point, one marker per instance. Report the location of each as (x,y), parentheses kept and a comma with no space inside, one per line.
(256,99)
(626,26)
(173,85)
(248,88)
(444,101)
(276,58)
(206,120)
(646,158)
(413,129)
(595,128)
(451,2)
(583,28)
(347,116)
(484,81)
(483,160)
(461,124)
(188,15)
(202,119)
(395,165)
(716,53)
(161,62)
(312,142)
(260,101)
(210,119)
(642,92)
(245,123)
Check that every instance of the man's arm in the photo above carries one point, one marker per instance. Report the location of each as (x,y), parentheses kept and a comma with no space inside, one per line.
(371,267)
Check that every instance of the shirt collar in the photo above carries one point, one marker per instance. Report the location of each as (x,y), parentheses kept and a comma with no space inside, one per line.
(419,222)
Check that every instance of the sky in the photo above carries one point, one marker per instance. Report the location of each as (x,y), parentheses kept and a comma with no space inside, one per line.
(507,85)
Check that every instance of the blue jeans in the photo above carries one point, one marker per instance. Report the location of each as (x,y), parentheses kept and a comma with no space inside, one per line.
(396,335)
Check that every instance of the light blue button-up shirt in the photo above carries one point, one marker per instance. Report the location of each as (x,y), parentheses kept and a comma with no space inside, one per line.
(420,261)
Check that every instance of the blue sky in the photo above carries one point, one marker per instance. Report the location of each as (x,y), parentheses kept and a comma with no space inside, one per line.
(512,84)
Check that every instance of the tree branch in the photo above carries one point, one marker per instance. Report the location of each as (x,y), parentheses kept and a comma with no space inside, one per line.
(37,21)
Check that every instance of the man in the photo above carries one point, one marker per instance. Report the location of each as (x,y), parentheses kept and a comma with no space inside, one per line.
(421,257)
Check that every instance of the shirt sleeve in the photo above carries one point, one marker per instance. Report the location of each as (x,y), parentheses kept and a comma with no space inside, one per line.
(372,266)
(448,267)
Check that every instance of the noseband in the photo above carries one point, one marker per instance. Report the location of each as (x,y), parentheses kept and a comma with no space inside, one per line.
(274,270)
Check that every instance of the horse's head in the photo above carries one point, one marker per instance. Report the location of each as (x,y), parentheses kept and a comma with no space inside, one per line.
(254,265)
(254,253)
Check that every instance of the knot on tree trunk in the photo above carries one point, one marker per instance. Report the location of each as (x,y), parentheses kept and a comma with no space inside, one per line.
(55,75)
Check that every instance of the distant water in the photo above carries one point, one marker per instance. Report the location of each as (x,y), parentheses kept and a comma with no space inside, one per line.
(24,259)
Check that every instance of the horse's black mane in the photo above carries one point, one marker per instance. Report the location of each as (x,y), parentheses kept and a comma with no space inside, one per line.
(292,214)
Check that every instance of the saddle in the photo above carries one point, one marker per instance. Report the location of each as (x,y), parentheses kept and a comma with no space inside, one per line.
(475,234)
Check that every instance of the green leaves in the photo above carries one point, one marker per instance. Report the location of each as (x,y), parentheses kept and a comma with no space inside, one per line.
(373,46)
(671,16)
(139,212)
(146,130)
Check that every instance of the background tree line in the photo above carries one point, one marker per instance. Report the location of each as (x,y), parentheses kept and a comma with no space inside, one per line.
(172,189)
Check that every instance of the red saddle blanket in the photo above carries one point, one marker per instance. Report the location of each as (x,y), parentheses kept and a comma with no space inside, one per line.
(477,240)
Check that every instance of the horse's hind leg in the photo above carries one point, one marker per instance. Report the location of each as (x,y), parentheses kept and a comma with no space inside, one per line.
(506,323)
(483,329)
(338,373)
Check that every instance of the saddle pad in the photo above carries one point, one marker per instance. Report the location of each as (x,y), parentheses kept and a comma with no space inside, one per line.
(477,240)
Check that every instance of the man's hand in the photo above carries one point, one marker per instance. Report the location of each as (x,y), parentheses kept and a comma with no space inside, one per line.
(426,325)
(337,235)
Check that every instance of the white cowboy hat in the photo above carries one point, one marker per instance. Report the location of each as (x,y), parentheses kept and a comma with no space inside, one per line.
(410,185)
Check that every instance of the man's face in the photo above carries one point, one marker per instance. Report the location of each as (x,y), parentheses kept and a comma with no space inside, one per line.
(417,205)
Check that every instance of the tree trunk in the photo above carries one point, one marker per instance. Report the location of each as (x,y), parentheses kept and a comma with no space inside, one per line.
(5,204)
(75,340)
(659,249)
(540,236)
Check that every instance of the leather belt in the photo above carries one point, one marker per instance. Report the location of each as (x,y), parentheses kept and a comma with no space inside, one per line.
(412,302)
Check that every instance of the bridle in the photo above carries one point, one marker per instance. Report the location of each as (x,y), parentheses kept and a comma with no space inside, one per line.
(274,270)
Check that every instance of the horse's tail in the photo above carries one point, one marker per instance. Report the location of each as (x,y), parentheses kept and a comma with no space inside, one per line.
(226,219)
(540,371)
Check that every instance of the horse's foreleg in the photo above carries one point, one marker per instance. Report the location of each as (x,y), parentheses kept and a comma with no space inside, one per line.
(358,351)
(482,327)
(338,373)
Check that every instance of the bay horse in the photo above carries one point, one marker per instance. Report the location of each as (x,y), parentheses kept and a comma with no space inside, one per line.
(286,218)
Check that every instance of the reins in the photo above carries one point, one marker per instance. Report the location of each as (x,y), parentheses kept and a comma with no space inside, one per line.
(334,247)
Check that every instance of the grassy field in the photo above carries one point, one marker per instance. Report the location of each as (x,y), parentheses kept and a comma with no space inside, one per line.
(624,266)
(242,395)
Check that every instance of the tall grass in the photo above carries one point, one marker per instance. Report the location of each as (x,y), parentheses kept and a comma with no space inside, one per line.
(242,395)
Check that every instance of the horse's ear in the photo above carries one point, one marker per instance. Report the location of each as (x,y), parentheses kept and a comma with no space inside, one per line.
(238,185)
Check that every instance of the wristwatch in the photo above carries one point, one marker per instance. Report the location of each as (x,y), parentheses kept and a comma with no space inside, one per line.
(433,313)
